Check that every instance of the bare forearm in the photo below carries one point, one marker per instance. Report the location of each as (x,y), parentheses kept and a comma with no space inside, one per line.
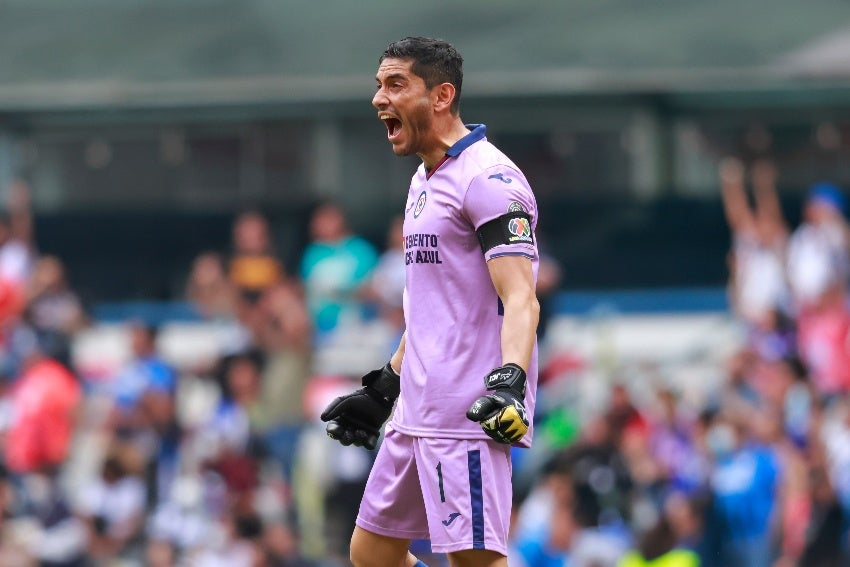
(519,329)
(734,197)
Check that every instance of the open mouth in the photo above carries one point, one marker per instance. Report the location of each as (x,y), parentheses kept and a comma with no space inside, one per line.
(393,125)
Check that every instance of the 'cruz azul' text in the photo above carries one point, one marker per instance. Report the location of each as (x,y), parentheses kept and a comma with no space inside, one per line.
(421,248)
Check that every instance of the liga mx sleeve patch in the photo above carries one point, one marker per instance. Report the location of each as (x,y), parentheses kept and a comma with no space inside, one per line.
(514,227)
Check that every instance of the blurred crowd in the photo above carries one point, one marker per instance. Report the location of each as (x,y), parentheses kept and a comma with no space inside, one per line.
(753,473)
(166,461)
(218,458)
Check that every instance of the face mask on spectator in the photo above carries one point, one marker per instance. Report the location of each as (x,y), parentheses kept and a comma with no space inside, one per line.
(721,440)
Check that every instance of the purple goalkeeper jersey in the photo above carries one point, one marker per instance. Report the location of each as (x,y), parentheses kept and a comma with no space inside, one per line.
(452,311)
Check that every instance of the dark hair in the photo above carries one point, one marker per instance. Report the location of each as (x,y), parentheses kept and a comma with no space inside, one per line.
(658,541)
(148,329)
(253,356)
(797,367)
(434,60)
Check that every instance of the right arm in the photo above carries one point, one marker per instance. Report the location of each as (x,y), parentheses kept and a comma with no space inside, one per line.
(20,213)
(735,205)
(357,418)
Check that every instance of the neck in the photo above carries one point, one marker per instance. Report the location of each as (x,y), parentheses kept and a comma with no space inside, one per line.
(444,138)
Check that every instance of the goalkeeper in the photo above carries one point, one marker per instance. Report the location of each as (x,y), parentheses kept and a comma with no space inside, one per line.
(464,377)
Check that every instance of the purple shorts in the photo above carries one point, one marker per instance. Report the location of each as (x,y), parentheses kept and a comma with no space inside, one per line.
(455,492)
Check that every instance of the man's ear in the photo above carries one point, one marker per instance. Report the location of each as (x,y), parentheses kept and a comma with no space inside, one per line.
(442,96)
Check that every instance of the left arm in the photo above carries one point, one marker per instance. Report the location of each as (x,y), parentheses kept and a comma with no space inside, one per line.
(768,208)
(501,412)
(514,282)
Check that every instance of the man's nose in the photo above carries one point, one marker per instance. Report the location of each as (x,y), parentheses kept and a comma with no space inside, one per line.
(380,99)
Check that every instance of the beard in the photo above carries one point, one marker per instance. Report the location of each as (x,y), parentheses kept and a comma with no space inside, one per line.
(418,130)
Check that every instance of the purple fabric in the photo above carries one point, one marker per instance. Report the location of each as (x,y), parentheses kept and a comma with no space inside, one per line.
(405,498)
(452,310)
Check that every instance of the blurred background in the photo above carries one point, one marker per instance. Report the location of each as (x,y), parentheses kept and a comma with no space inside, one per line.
(199,248)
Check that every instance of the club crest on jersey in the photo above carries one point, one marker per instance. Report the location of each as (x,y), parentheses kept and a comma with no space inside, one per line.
(520,229)
(420,204)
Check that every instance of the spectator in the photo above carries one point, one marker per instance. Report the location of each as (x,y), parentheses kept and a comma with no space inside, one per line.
(16,236)
(818,261)
(834,435)
(757,283)
(286,341)
(658,548)
(160,554)
(254,268)
(744,485)
(385,287)
(738,395)
(45,397)
(209,288)
(240,411)
(822,340)
(113,505)
(794,397)
(145,372)
(594,532)
(818,268)
(60,537)
(826,526)
(239,546)
(185,519)
(16,252)
(335,265)
(280,547)
(544,524)
(686,516)
(52,305)
(143,413)
(672,443)
(53,309)
(160,440)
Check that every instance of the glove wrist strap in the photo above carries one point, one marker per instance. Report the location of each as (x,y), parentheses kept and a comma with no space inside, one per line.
(508,377)
(385,382)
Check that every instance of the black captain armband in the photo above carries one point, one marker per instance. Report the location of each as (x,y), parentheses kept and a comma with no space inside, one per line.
(513,227)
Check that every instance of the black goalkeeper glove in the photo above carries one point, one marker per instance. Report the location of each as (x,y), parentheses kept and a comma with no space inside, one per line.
(502,414)
(356,419)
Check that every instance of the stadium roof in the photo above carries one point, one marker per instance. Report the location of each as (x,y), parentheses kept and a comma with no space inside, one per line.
(127,53)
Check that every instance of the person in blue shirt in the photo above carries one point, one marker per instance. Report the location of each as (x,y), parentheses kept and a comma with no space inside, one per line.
(145,372)
(744,486)
(334,266)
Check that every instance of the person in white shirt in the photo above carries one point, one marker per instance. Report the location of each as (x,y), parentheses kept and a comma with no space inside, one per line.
(758,288)
(819,249)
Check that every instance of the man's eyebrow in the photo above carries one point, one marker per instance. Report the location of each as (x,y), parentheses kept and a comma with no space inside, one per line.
(391,76)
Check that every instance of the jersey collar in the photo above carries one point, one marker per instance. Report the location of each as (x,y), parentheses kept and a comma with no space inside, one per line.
(476,133)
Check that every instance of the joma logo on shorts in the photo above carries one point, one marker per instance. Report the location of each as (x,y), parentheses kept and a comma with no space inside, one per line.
(452,517)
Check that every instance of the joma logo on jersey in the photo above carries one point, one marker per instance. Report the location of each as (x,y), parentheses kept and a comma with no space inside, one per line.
(520,229)
(501,177)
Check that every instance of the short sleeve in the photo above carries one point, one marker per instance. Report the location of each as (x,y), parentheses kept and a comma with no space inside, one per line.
(497,191)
